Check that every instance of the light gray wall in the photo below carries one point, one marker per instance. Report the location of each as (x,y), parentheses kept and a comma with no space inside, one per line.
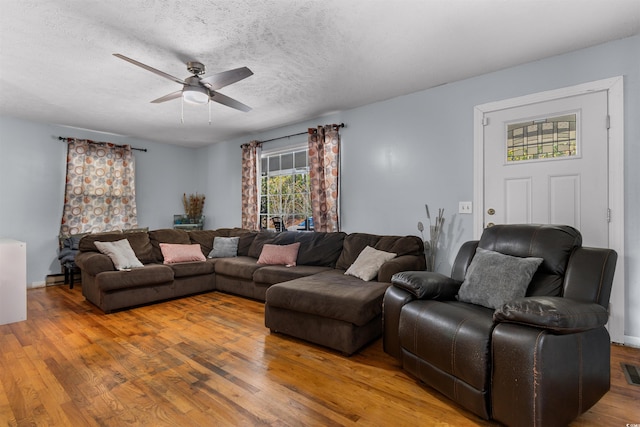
(32,173)
(399,154)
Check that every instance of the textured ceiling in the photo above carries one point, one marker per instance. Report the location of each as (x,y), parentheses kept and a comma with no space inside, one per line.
(309,58)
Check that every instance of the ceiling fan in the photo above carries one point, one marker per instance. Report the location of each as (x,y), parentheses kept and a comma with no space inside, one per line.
(200,90)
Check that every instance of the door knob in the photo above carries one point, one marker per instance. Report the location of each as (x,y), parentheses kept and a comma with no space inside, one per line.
(490,224)
(491,211)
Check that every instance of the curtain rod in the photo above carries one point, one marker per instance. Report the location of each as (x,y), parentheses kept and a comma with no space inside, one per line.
(283,137)
(341,125)
(62,138)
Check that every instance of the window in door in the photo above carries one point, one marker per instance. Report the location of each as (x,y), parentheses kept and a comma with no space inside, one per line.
(284,190)
(542,139)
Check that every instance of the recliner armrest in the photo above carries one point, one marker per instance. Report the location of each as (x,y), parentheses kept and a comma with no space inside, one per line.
(427,285)
(394,299)
(557,314)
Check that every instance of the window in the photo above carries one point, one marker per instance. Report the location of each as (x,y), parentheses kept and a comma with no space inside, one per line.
(284,190)
(542,139)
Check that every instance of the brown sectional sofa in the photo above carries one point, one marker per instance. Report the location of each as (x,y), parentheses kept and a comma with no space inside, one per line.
(313,300)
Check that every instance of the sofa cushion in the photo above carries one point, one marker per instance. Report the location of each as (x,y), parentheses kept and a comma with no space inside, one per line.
(319,248)
(139,242)
(141,245)
(368,263)
(173,253)
(279,254)
(272,238)
(355,243)
(271,274)
(149,275)
(246,239)
(330,294)
(166,235)
(187,269)
(120,253)
(241,267)
(553,243)
(86,244)
(259,241)
(493,278)
(204,238)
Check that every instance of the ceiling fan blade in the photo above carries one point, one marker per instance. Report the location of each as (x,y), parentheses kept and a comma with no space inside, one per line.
(225,78)
(229,102)
(168,97)
(148,68)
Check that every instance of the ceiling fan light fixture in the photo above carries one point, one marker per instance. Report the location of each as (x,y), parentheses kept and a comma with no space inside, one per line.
(195,95)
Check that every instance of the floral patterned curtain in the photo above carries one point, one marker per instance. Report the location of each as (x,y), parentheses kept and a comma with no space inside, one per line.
(100,188)
(324,170)
(250,205)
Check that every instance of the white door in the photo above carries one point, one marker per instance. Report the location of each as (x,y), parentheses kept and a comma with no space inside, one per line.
(559,190)
(547,163)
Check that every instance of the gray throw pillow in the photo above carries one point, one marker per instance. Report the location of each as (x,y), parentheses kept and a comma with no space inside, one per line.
(121,254)
(494,279)
(224,247)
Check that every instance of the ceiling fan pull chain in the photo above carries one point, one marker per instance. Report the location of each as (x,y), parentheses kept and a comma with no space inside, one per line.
(209,104)
(181,110)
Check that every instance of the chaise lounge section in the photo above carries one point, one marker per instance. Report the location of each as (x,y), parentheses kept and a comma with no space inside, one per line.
(335,309)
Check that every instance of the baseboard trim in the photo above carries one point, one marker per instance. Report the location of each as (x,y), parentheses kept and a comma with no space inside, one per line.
(55,279)
(632,341)
(34,285)
(58,279)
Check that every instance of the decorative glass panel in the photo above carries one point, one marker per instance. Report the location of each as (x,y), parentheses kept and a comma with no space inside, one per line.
(542,139)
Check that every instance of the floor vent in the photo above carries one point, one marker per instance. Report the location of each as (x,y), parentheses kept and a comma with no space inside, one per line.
(632,373)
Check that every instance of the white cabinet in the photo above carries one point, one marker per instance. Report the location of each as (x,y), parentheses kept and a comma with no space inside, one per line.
(13,281)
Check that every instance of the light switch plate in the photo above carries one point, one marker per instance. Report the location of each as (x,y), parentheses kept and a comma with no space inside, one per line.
(465,207)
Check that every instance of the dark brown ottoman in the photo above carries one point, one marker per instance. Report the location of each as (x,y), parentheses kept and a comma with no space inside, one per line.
(329,308)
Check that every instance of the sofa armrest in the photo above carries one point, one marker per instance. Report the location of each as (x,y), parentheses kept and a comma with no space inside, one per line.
(398,264)
(556,314)
(94,262)
(427,285)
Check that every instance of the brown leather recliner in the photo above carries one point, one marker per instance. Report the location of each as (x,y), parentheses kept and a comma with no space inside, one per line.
(537,360)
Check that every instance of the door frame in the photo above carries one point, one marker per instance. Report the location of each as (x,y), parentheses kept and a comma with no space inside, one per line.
(615,94)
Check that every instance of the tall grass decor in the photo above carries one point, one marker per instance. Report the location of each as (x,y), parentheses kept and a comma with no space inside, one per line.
(431,245)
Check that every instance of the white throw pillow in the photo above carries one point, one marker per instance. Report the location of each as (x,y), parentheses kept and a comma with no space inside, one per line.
(368,263)
(121,254)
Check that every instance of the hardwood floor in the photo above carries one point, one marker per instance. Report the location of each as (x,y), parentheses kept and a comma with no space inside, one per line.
(208,360)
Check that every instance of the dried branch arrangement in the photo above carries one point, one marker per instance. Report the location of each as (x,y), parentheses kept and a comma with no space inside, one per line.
(431,245)
(193,205)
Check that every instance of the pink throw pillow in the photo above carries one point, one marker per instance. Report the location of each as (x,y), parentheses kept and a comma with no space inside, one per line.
(173,253)
(279,254)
